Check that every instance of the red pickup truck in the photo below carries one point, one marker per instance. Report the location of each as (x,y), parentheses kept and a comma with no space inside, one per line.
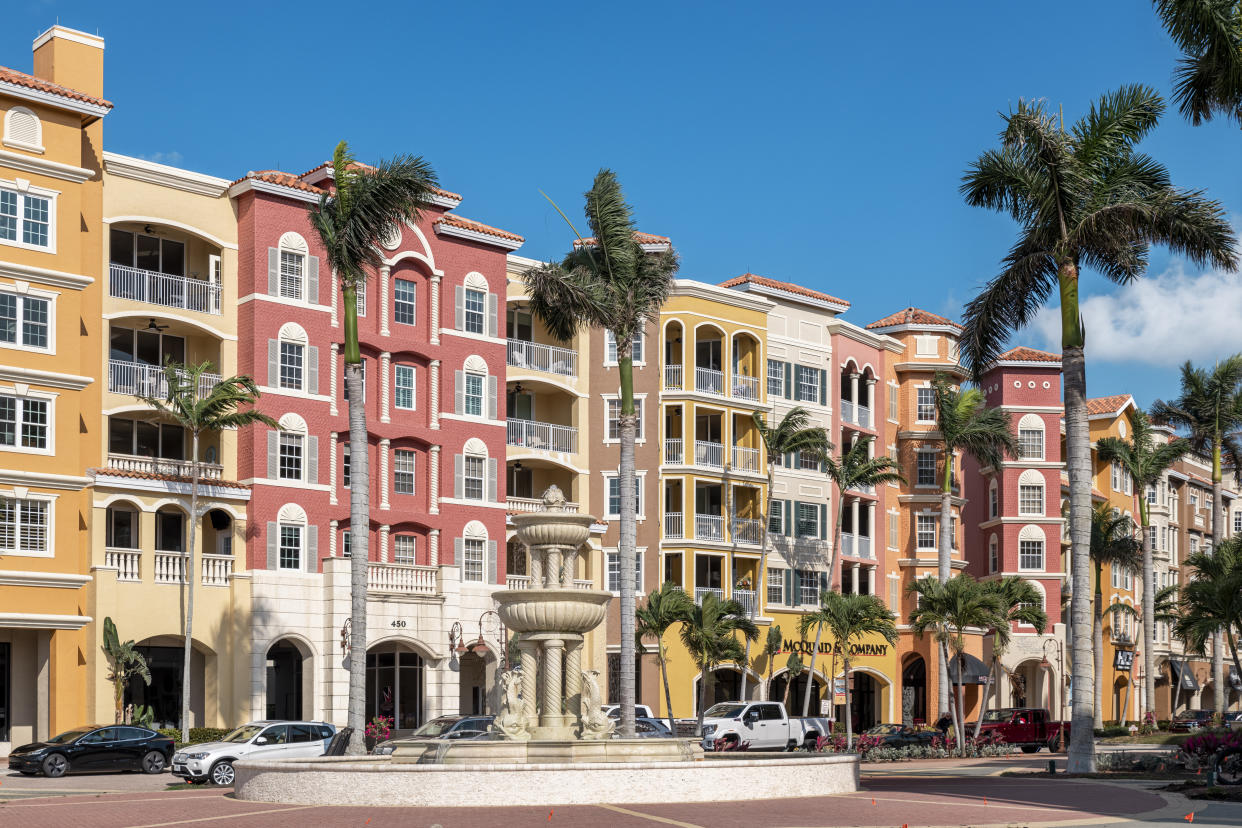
(1029,728)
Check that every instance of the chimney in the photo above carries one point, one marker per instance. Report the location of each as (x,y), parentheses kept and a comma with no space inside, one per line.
(70,58)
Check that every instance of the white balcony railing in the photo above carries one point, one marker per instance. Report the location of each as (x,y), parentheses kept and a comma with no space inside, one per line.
(700,592)
(164,466)
(543,436)
(745,459)
(142,380)
(533,504)
(583,583)
(709,381)
(863,488)
(847,411)
(748,531)
(709,527)
(673,453)
(709,455)
(217,570)
(674,525)
(164,289)
(546,358)
(517,582)
(862,416)
(672,378)
(169,567)
(855,546)
(847,544)
(402,579)
(745,388)
(749,601)
(126,562)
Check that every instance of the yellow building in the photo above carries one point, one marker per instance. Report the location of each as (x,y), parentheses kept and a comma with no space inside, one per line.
(50,337)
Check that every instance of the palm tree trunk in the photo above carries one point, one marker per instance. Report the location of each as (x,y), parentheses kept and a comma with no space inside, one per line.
(761,582)
(707,676)
(188,575)
(835,555)
(1097,664)
(359,526)
(1149,613)
(952,708)
(1218,534)
(628,533)
(987,692)
(944,562)
(810,674)
(849,714)
(668,696)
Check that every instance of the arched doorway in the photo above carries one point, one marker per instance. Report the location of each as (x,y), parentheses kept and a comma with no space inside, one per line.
(726,686)
(776,692)
(165,657)
(395,685)
(865,702)
(914,692)
(472,678)
(286,682)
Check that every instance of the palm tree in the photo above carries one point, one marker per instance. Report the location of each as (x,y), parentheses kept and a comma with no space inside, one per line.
(363,207)
(1021,603)
(707,633)
(609,282)
(1082,197)
(1145,461)
(1210,602)
(795,435)
(1210,412)
(771,649)
(947,609)
(853,469)
(793,669)
(221,407)
(1208,79)
(849,618)
(665,607)
(124,663)
(966,424)
(1113,543)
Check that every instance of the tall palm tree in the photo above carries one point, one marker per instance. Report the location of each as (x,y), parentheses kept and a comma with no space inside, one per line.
(364,206)
(1082,197)
(1145,461)
(850,618)
(708,634)
(665,607)
(793,669)
(967,424)
(1209,410)
(853,469)
(1021,602)
(200,409)
(124,663)
(1112,543)
(609,282)
(1208,78)
(771,649)
(793,435)
(1210,602)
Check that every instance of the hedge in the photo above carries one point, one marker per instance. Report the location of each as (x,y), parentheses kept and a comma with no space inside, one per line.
(198,735)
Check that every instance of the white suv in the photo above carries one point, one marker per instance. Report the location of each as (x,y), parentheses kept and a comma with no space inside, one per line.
(213,761)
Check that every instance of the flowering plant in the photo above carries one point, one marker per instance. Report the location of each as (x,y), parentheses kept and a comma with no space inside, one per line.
(379,728)
(1206,743)
(743,582)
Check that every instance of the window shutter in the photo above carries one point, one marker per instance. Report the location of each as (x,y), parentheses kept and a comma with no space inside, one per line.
(788,518)
(823,387)
(491,479)
(790,599)
(459,553)
(312,369)
(312,281)
(823,582)
(789,391)
(312,459)
(459,308)
(273,454)
(823,522)
(273,545)
(273,363)
(492,321)
(459,392)
(491,396)
(311,564)
(459,476)
(273,271)
(491,562)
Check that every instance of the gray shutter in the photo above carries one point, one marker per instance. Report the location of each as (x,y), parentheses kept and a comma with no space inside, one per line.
(273,545)
(492,323)
(491,480)
(273,271)
(459,554)
(312,460)
(312,369)
(273,454)
(312,281)
(273,363)
(823,522)
(789,588)
(823,582)
(491,396)
(459,392)
(459,476)
(789,518)
(789,391)
(823,387)
(311,564)
(459,308)
(491,562)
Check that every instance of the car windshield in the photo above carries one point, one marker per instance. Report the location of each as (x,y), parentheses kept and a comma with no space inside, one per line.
(436,726)
(880,730)
(67,737)
(244,733)
(998,715)
(724,710)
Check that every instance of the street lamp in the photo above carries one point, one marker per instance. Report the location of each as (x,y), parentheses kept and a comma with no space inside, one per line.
(1060,694)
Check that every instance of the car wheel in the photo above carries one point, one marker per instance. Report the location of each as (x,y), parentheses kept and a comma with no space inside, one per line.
(55,766)
(222,773)
(154,762)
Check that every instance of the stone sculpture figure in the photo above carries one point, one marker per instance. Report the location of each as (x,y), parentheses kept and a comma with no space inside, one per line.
(595,723)
(510,722)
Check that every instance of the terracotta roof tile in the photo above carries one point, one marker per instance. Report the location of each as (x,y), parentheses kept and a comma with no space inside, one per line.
(1023,354)
(8,75)
(361,166)
(788,287)
(467,224)
(641,238)
(913,316)
(228,484)
(284,179)
(1106,405)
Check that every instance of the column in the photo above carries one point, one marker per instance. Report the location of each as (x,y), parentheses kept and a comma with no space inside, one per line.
(383,302)
(334,373)
(871,418)
(854,572)
(332,468)
(435,309)
(383,475)
(871,529)
(535,572)
(43,684)
(854,504)
(385,379)
(332,527)
(871,580)
(854,375)
(433,548)
(336,297)
(529,671)
(573,681)
(383,543)
(433,404)
(433,482)
(552,575)
(553,663)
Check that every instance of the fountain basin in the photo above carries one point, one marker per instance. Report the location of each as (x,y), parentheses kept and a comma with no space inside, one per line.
(552,528)
(575,611)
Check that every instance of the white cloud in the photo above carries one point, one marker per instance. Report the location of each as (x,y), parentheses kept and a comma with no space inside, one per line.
(172,157)
(1162,320)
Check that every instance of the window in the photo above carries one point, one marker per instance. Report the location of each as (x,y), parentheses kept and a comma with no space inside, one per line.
(808,461)
(403,471)
(925,531)
(290,546)
(614,496)
(403,304)
(892,403)
(292,266)
(290,456)
(614,419)
(808,587)
(474,394)
(291,365)
(1031,443)
(1192,499)
(1151,495)
(993,500)
(24,320)
(403,549)
(25,219)
(23,129)
(610,348)
(614,571)
(776,586)
(808,384)
(345,465)
(776,518)
(926,405)
(121,531)
(1116,476)
(403,395)
(476,313)
(1030,499)
(894,529)
(808,520)
(23,423)
(953,532)
(927,345)
(347,538)
(1237,522)
(24,526)
(1030,554)
(926,469)
(993,554)
(474,477)
(776,378)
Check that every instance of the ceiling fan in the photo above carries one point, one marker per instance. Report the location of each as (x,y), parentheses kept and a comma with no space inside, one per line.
(151,326)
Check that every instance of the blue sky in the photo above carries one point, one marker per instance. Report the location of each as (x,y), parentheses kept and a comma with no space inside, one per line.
(819,143)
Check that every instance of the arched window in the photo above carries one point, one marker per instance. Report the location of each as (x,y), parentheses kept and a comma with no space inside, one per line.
(23,130)
(292,543)
(121,531)
(475,472)
(476,554)
(993,553)
(1043,599)
(1031,437)
(293,365)
(993,499)
(293,267)
(1031,493)
(1031,549)
(475,389)
(292,453)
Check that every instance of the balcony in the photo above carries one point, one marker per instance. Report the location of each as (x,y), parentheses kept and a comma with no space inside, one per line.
(746,388)
(673,453)
(701,592)
(745,459)
(533,504)
(867,489)
(674,525)
(169,567)
(672,378)
(858,415)
(142,380)
(708,455)
(542,436)
(856,546)
(217,570)
(163,466)
(749,601)
(163,289)
(748,531)
(548,359)
(709,381)
(709,527)
(402,579)
(126,562)
(523,582)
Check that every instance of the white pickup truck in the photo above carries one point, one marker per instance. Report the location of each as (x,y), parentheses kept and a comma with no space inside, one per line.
(760,726)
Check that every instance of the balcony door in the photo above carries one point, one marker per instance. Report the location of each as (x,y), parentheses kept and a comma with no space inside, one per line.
(147,252)
(520,326)
(145,347)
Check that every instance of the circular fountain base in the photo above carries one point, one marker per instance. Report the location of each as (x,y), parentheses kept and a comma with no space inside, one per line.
(545,752)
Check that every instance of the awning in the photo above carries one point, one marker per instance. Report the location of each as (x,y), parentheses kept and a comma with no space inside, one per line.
(1235,681)
(976,670)
(1184,675)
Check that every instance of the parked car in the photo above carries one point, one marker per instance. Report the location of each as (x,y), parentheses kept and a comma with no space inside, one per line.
(213,761)
(648,728)
(641,711)
(95,748)
(900,735)
(1189,720)
(443,727)
(760,726)
(1028,728)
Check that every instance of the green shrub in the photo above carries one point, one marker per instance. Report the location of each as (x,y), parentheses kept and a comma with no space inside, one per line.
(1108,732)
(198,735)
